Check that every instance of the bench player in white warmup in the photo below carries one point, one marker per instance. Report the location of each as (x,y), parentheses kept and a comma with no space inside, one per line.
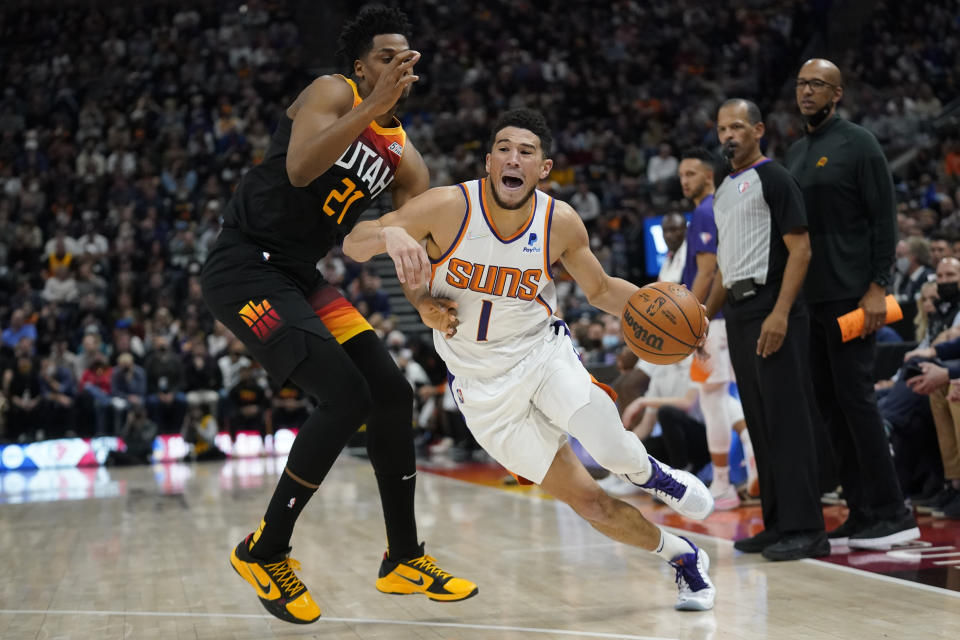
(490,297)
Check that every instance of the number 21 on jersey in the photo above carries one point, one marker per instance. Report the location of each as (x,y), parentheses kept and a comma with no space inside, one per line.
(345,198)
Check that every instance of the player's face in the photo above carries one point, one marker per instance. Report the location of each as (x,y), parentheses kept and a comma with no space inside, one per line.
(385,47)
(515,166)
(694,177)
(737,134)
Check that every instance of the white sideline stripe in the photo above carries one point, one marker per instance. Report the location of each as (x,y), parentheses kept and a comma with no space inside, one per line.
(723,541)
(917,551)
(878,576)
(409,623)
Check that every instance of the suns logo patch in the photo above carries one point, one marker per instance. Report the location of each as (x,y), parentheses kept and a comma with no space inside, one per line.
(822,162)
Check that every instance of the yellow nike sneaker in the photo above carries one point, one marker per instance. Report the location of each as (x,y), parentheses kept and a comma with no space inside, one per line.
(278,587)
(422,575)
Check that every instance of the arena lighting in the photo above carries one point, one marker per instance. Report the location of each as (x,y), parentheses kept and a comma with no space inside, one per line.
(91,452)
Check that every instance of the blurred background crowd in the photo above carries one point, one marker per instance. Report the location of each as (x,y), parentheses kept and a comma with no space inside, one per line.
(124,128)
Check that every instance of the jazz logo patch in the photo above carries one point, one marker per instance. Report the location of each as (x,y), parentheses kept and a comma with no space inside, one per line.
(262,318)
(822,162)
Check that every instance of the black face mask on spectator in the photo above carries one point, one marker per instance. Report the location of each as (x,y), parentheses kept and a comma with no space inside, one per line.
(948,291)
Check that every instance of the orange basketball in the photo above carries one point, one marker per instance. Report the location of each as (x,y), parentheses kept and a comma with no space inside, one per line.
(662,322)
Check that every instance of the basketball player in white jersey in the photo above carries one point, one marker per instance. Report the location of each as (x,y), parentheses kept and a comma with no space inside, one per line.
(490,298)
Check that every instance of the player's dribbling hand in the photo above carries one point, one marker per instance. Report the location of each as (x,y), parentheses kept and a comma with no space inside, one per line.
(439,314)
(393,81)
(409,257)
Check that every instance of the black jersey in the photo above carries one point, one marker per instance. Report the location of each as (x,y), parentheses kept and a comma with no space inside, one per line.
(304,223)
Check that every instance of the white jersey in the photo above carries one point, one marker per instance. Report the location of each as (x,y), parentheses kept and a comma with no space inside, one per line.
(503,286)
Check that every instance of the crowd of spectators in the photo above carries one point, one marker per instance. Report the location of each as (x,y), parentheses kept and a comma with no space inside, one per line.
(124,129)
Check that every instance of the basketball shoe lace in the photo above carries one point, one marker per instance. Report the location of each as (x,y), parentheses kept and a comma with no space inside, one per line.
(663,482)
(283,574)
(428,566)
(688,577)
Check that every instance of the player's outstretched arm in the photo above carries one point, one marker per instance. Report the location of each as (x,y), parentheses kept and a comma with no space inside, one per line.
(602,290)
(399,233)
(325,123)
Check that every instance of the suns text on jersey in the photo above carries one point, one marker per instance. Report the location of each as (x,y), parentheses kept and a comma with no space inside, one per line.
(493,279)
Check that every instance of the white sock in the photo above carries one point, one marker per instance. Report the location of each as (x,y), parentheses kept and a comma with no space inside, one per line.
(671,546)
(747,447)
(721,477)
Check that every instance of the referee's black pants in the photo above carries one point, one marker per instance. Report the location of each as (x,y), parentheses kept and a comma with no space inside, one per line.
(774,392)
(842,375)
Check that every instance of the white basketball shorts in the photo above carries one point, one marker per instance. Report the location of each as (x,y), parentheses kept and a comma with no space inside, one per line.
(519,419)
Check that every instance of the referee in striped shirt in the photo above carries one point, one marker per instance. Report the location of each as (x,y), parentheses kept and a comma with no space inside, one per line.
(762,254)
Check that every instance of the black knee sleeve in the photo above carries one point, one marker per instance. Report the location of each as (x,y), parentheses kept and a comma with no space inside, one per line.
(390,423)
(390,429)
(344,403)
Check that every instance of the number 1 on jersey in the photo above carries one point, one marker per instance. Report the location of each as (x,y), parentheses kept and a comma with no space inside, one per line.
(485,308)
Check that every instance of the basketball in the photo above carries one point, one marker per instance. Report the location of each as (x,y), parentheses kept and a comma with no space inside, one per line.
(662,322)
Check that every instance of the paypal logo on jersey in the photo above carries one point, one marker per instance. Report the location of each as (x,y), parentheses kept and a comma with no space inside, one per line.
(531,244)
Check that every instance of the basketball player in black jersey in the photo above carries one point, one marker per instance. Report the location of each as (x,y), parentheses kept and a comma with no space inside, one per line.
(337,148)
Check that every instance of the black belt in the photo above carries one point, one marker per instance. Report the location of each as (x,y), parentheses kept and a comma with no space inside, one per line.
(743,289)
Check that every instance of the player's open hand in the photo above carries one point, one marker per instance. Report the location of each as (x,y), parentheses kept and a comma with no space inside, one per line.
(439,314)
(393,81)
(409,257)
(772,332)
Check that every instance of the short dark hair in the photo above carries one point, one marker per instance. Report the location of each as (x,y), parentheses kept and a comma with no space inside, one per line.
(701,154)
(529,119)
(943,234)
(356,37)
(753,111)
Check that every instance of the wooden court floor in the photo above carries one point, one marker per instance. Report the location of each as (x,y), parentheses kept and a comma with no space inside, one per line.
(143,553)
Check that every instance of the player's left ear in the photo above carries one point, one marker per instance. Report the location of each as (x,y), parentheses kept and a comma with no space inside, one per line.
(545,168)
